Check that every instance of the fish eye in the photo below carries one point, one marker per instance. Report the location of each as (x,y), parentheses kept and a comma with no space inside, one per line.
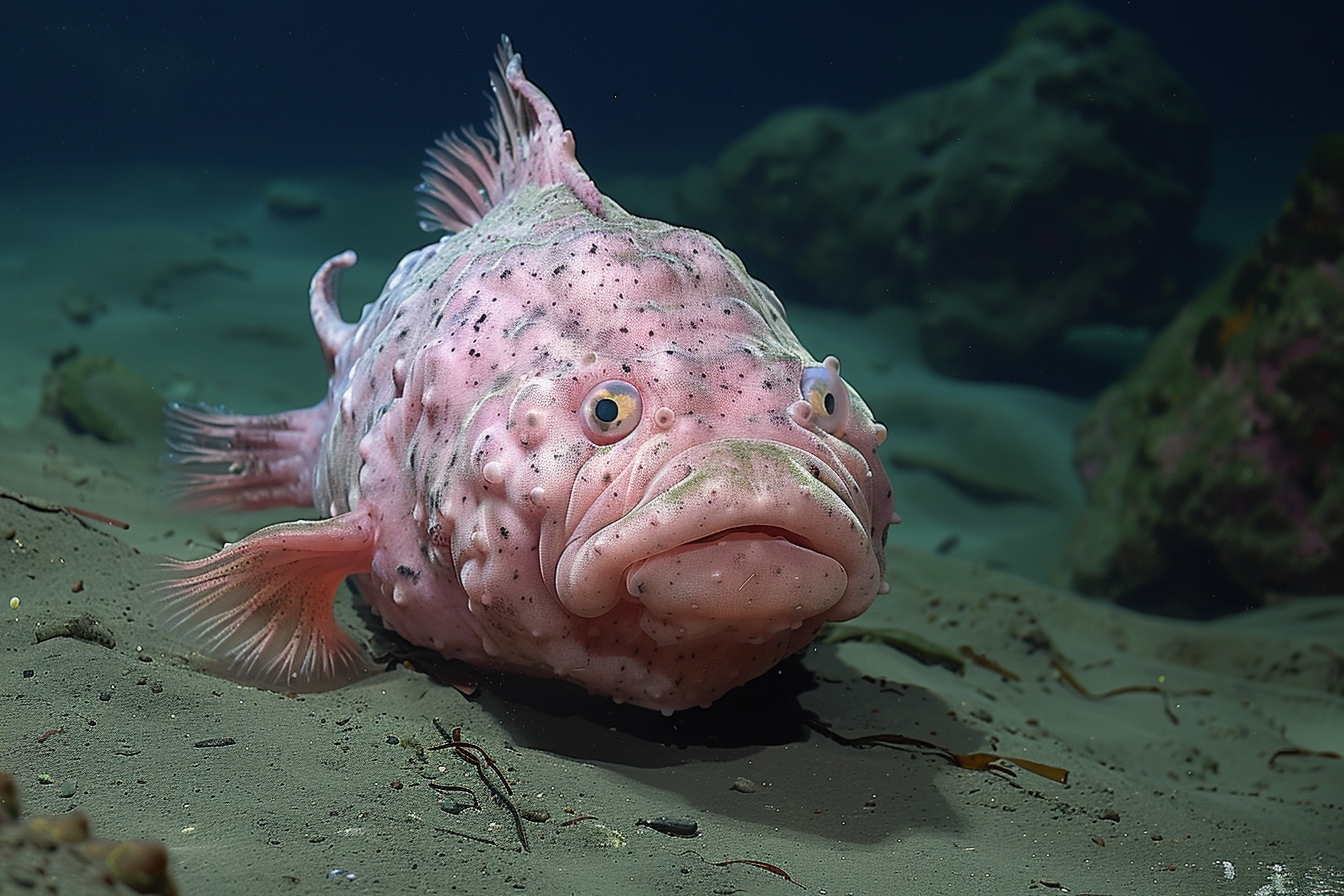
(827,394)
(610,412)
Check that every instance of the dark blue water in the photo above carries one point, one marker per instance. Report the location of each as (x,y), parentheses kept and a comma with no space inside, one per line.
(647,87)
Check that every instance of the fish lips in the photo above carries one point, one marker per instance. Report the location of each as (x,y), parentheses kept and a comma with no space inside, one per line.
(742,538)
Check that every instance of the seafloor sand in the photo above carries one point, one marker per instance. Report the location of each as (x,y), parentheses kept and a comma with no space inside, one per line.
(1181,788)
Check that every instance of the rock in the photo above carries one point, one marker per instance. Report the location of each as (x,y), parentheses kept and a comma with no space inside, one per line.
(287,199)
(1058,186)
(56,854)
(98,395)
(1213,470)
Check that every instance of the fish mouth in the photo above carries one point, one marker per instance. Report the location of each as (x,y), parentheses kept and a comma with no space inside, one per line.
(745,538)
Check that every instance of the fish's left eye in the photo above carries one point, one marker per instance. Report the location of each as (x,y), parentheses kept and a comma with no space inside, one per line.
(610,412)
(828,395)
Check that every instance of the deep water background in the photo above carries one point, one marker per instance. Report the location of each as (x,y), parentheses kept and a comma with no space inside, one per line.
(648,88)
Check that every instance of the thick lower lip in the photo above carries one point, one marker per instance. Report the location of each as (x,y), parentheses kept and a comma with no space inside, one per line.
(752,581)
(759,517)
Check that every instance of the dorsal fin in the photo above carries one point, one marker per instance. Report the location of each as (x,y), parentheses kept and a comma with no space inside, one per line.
(468,174)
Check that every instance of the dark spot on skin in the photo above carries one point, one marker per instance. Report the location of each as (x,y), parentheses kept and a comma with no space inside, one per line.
(592,250)
(504,533)
(504,274)
(407,572)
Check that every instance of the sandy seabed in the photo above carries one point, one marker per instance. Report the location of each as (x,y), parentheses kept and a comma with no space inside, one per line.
(1208,773)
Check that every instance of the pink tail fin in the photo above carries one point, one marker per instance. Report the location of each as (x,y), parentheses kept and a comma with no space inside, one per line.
(262,607)
(244,463)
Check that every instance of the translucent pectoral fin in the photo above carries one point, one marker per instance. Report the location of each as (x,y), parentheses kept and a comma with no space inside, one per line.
(262,607)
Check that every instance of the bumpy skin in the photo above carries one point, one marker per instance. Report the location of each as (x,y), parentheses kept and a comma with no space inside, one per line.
(739,506)
(483,352)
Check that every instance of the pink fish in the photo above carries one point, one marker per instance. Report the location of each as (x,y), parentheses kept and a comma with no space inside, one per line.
(564,441)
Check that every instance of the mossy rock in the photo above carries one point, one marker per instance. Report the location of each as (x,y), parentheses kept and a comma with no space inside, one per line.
(1212,469)
(98,395)
(1057,187)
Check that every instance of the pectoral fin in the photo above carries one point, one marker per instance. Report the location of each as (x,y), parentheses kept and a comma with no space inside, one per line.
(262,607)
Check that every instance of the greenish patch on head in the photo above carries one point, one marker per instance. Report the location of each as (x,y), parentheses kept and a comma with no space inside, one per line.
(734,463)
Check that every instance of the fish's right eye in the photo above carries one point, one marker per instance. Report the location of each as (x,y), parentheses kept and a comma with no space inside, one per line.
(610,412)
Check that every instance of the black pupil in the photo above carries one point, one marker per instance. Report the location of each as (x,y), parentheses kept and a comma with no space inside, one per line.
(606,410)
(829,402)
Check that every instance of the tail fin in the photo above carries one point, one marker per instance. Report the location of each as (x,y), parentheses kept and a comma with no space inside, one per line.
(467,174)
(244,463)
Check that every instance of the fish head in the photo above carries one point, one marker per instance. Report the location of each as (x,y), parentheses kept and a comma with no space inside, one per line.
(705,483)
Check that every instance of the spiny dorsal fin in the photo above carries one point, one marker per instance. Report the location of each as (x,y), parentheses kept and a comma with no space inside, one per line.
(468,174)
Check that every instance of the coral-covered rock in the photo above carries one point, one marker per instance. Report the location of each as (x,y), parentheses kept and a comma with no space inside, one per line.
(1215,471)
(1058,186)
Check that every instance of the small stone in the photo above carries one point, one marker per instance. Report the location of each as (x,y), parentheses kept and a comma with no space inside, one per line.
(83,626)
(532,811)
(744,785)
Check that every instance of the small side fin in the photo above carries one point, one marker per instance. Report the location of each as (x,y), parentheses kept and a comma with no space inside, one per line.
(468,174)
(244,463)
(323,305)
(262,608)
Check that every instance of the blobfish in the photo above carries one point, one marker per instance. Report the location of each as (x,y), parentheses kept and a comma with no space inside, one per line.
(565,441)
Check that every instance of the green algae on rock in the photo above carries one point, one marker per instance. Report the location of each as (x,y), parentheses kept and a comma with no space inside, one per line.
(1212,471)
(98,395)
